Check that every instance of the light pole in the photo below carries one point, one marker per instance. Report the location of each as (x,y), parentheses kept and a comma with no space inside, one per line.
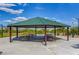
(78,25)
(73,30)
(1,30)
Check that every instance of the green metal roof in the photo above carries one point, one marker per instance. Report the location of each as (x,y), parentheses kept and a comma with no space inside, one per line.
(38,21)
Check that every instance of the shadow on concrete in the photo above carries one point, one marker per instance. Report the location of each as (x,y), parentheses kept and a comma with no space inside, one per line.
(35,38)
(76,46)
(1,52)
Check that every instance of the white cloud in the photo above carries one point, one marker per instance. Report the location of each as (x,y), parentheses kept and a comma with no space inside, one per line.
(8,21)
(74,22)
(74,19)
(12,11)
(46,17)
(50,18)
(6,5)
(55,19)
(14,20)
(17,19)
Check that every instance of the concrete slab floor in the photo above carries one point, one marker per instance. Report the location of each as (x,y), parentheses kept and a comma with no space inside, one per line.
(58,47)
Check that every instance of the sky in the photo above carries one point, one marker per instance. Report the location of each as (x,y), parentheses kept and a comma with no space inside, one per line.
(62,12)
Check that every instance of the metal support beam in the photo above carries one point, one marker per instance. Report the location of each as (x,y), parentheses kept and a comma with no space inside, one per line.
(67,33)
(10,34)
(16,32)
(45,35)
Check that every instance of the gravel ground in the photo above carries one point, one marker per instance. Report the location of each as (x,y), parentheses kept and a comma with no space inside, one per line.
(58,47)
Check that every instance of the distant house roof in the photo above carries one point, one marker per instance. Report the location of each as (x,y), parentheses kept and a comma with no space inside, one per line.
(38,21)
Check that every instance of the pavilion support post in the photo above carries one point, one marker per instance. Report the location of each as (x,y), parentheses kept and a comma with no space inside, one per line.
(10,32)
(45,40)
(54,33)
(16,32)
(67,33)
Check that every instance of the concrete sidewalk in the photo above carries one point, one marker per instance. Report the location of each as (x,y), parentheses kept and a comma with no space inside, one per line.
(58,47)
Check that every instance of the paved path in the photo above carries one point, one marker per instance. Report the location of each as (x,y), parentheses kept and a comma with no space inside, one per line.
(58,47)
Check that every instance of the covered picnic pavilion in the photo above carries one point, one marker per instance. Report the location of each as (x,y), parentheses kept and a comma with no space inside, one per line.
(38,22)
